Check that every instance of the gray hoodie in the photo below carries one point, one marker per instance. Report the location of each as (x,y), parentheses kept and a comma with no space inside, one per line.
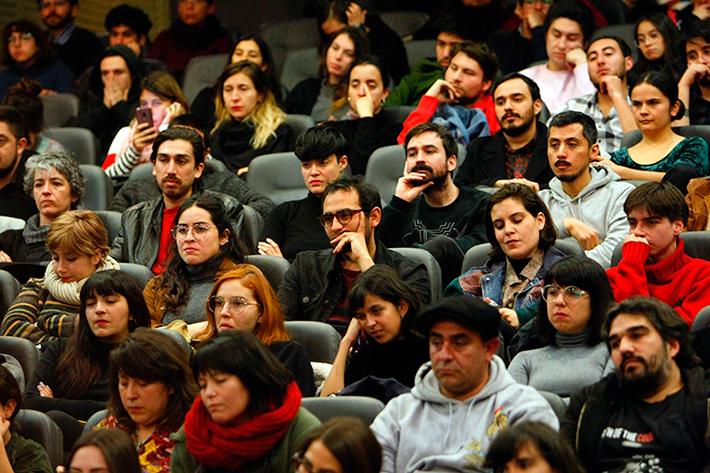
(425,431)
(599,205)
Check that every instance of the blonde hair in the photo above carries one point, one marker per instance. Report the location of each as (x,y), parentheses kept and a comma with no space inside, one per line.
(266,117)
(80,231)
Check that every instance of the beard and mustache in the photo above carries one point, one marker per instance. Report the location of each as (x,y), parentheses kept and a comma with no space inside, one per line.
(439,179)
(648,377)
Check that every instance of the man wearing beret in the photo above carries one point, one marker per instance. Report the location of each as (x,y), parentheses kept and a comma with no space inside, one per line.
(462,397)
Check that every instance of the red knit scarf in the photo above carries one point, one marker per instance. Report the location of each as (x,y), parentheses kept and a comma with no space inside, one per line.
(230,446)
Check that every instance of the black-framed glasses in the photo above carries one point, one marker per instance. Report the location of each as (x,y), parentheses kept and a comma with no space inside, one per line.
(343,216)
(570,293)
(301,464)
(199,230)
(235,304)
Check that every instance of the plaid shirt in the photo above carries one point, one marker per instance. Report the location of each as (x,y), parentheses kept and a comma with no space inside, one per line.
(609,129)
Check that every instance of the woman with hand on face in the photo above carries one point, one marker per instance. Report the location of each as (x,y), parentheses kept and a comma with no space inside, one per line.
(57,184)
(577,295)
(325,97)
(152,389)
(521,231)
(243,299)
(71,382)
(249,122)
(47,308)
(657,40)
(205,247)
(662,155)
(367,126)
(27,53)
(105,451)
(341,445)
(133,144)
(380,340)
(248,416)
(17,454)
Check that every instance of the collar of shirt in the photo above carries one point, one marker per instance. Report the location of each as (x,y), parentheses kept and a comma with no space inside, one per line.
(65,35)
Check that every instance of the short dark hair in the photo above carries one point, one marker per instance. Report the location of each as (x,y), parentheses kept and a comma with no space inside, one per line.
(117,447)
(71,2)
(482,54)
(367,193)
(45,53)
(447,139)
(552,446)
(378,63)
(152,356)
(450,23)
(573,11)
(181,133)
(386,283)
(661,199)
(13,119)
(569,117)
(532,203)
(10,390)
(25,96)
(587,275)
(532,85)
(241,354)
(130,16)
(623,45)
(351,442)
(666,84)
(695,29)
(666,321)
(319,143)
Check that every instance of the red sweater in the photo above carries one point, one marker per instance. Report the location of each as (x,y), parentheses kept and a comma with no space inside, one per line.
(428,105)
(679,280)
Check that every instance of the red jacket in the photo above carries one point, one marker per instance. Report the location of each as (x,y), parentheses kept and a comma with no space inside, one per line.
(679,280)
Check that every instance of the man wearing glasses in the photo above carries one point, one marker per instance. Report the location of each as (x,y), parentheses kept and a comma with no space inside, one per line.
(146,229)
(316,285)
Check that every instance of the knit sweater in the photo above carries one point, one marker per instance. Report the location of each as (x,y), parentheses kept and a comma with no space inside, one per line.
(678,280)
(563,368)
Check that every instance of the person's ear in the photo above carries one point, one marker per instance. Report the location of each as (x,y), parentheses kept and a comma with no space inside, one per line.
(343,162)
(402,307)
(491,347)
(486,86)
(537,107)
(629,63)
(673,347)
(199,169)
(224,237)
(678,227)
(9,408)
(375,216)
(540,219)
(594,152)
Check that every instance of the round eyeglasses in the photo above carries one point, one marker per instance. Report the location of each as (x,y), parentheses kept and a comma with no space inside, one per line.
(569,293)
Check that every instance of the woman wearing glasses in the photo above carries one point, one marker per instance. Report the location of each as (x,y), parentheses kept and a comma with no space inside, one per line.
(242,299)
(205,246)
(577,296)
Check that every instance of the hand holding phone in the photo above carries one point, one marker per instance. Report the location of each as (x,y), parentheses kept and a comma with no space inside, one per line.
(144,115)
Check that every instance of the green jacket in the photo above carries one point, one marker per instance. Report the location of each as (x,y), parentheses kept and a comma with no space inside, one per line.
(415,84)
(27,456)
(278,460)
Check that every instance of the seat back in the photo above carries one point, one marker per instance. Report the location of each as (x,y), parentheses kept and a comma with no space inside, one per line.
(321,340)
(299,64)
(625,31)
(405,22)
(80,142)
(23,271)
(422,256)
(142,171)
(112,222)
(299,123)
(419,50)
(384,167)
(252,227)
(139,272)
(24,351)
(399,112)
(94,420)
(37,426)
(556,403)
(59,108)
(9,289)
(325,408)
(273,267)
(703,131)
(697,245)
(278,176)
(99,190)
(201,72)
(287,36)
(479,254)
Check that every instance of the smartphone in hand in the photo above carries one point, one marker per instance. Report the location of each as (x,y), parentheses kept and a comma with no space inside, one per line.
(144,115)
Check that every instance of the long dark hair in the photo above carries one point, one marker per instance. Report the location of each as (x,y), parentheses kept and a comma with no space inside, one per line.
(241,354)
(587,275)
(670,62)
(267,59)
(152,356)
(533,204)
(362,47)
(118,449)
(10,391)
(175,280)
(80,364)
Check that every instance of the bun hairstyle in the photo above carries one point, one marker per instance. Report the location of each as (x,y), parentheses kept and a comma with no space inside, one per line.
(668,87)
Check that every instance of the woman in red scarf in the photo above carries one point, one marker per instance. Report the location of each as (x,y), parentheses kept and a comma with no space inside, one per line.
(248,415)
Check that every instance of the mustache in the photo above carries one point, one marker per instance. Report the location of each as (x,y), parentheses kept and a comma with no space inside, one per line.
(422,167)
(561,161)
(511,115)
(628,358)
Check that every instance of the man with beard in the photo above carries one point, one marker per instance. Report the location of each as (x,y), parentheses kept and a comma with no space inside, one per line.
(77,47)
(651,415)
(609,61)
(517,153)
(427,209)
(653,259)
(586,203)
(461,100)
(694,86)
(14,202)
(178,162)
(316,285)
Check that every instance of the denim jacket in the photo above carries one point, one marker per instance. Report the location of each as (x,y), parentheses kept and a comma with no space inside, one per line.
(313,284)
(487,281)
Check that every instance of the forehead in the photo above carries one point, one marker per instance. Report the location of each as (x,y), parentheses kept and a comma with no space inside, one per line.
(239,78)
(465,61)
(566,26)
(343,41)
(51,173)
(6,130)
(602,44)
(697,42)
(428,138)
(122,29)
(573,130)
(341,199)
(508,206)
(625,322)
(176,147)
(248,44)
(641,213)
(450,328)
(233,285)
(512,87)
(446,37)
(113,62)
(365,72)
(195,214)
